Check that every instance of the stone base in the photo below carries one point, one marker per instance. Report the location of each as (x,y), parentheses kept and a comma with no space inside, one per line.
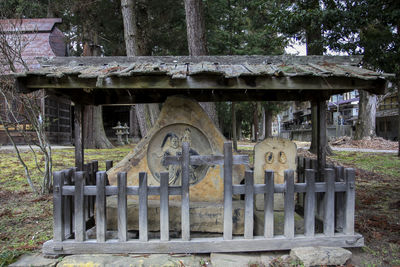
(279,219)
(204,216)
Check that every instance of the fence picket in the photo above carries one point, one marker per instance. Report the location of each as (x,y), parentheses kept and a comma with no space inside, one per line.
(339,198)
(79,204)
(249,205)
(185,215)
(67,205)
(58,206)
(101,216)
(269,204)
(348,227)
(122,207)
(143,233)
(309,205)
(329,202)
(164,212)
(289,204)
(228,160)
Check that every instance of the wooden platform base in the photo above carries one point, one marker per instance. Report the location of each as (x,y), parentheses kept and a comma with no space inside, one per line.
(200,245)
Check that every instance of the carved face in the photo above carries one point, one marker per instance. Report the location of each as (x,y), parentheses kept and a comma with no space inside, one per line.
(275,159)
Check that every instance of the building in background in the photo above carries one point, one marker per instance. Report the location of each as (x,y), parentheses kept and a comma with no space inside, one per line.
(39,38)
(387,120)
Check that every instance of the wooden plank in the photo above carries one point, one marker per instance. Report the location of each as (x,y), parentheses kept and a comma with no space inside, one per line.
(339,200)
(79,204)
(329,202)
(90,190)
(249,205)
(269,204)
(228,191)
(78,123)
(143,231)
(122,208)
(58,207)
(207,160)
(309,204)
(289,204)
(164,212)
(101,215)
(202,245)
(109,164)
(185,216)
(67,205)
(348,227)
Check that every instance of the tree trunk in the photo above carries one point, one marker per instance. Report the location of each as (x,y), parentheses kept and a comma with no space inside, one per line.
(263,126)
(93,130)
(365,126)
(197,44)
(234,136)
(268,123)
(314,128)
(195,27)
(255,122)
(398,106)
(133,124)
(136,19)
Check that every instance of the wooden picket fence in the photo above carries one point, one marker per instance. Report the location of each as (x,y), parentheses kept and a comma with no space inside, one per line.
(76,193)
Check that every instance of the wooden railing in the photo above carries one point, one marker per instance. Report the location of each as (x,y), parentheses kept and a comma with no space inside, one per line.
(74,205)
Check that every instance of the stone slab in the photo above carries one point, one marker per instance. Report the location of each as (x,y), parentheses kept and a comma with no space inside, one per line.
(204,216)
(36,260)
(132,260)
(166,136)
(279,219)
(275,154)
(245,259)
(321,256)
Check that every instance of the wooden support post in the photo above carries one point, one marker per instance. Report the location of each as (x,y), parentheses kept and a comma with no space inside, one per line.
(58,207)
(269,204)
(309,205)
(228,160)
(329,203)
(164,212)
(68,204)
(289,204)
(79,150)
(101,216)
(249,205)
(80,223)
(185,215)
(321,138)
(143,232)
(348,228)
(122,208)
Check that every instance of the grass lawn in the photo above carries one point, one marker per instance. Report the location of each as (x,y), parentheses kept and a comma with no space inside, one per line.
(26,219)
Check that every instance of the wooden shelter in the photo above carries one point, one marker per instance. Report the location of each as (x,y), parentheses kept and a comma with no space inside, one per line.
(128,80)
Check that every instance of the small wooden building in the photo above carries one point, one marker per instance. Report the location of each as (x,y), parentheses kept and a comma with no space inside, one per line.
(129,80)
(39,38)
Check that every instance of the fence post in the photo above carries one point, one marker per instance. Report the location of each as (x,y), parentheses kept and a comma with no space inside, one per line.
(249,205)
(143,232)
(79,204)
(122,207)
(58,207)
(289,204)
(185,205)
(67,205)
(228,162)
(329,203)
(339,204)
(309,205)
(109,164)
(269,204)
(164,212)
(101,216)
(348,228)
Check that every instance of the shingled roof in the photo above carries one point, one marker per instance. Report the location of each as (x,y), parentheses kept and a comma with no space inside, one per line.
(150,79)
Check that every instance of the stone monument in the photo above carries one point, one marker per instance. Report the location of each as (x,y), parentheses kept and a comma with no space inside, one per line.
(275,154)
(181,120)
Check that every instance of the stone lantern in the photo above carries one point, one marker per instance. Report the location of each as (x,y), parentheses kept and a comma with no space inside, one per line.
(119,132)
(126,132)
